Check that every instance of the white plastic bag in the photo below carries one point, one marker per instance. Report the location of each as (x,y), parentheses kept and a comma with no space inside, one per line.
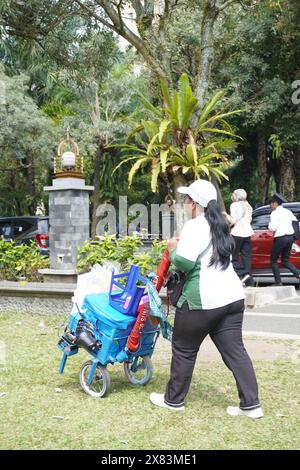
(94,282)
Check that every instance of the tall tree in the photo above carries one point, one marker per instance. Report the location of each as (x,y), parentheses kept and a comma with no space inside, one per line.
(27,142)
(98,121)
(178,144)
(147,29)
(258,60)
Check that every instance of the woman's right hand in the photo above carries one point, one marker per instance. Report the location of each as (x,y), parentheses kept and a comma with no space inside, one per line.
(172,243)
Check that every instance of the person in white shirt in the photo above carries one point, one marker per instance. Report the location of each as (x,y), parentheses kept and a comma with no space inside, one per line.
(211,303)
(240,221)
(281,224)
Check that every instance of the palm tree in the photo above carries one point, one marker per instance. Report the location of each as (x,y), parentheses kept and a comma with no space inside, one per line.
(179,143)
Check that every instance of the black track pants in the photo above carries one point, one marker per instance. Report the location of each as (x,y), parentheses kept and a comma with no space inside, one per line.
(224,325)
(282,247)
(242,248)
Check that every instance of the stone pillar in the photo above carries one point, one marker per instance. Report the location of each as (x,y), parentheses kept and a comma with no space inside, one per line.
(69,226)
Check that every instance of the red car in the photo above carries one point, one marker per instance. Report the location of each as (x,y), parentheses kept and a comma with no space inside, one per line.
(262,241)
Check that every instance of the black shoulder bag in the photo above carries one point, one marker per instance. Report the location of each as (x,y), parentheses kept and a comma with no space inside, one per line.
(176,279)
(174,284)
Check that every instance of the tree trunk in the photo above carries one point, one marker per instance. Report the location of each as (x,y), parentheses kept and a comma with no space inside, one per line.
(262,166)
(288,186)
(30,177)
(220,197)
(144,20)
(179,180)
(210,15)
(96,184)
(276,170)
(297,175)
(268,183)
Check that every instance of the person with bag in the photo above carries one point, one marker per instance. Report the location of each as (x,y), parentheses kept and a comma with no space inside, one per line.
(240,223)
(282,224)
(211,303)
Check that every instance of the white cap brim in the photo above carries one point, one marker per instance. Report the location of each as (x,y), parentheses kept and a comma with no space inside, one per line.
(183,190)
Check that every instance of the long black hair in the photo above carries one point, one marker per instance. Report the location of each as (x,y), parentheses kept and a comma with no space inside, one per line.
(222,242)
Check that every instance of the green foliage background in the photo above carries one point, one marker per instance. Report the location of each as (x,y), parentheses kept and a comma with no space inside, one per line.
(21,262)
(54,63)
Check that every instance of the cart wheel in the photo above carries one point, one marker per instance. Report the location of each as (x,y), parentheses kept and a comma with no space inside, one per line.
(139,371)
(101,381)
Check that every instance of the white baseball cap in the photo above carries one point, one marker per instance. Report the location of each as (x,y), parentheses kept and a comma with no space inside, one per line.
(201,191)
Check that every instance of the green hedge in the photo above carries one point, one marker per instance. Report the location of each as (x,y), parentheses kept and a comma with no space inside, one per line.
(21,261)
(126,251)
(24,261)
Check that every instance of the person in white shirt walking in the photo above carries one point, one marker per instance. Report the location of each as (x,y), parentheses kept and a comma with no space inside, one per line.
(240,221)
(281,224)
(211,303)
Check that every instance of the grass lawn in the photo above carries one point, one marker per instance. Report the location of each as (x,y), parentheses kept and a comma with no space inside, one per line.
(125,419)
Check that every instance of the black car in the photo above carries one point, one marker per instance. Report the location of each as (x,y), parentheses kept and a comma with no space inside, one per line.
(24,229)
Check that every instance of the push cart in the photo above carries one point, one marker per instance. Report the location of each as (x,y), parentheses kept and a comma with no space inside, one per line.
(102,327)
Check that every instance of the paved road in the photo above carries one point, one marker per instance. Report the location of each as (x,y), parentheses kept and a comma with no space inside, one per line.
(280,319)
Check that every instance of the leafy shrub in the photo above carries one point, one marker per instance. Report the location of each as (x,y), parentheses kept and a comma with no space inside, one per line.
(148,261)
(126,251)
(21,261)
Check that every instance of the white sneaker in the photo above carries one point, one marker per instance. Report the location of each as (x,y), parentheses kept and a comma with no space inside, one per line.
(158,399)
(254,414)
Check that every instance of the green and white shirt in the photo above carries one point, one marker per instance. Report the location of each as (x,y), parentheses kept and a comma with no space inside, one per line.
(206,287)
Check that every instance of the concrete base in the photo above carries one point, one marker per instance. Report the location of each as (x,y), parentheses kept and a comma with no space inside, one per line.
(67,184)
(36,298)
(261,296)
(51,297)
(39,289)
(66,276)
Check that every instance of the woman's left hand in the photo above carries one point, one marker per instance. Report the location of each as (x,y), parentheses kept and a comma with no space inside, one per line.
(172,243)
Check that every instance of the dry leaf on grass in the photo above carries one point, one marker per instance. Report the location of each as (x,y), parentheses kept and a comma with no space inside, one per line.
(62,418)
